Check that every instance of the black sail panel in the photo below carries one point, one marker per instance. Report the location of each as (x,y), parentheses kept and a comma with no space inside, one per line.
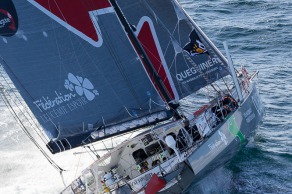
(185,59)
(75,68)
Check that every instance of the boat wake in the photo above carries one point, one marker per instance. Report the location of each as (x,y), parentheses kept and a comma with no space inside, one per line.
(10,132)
(219,181)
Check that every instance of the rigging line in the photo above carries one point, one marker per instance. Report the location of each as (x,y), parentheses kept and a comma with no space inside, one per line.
(95,62)
(165,28)
(202,33)
(81,45)
(59,130)
(96,129)
(103,121)
(16,78)
(95,154)
(178,32)
(30,118)
(55,165)
(60,11)
(86,138)
(23,105)
(112,142)
(103,76)
(214,88)
(86,151)
(118,62)
(158,59)
(151,12)
(6,104)
(78,164)
(112,52)
(172,37)
(194,64)
(186,62)
(139,50)
(94,24)
(216,51)
(107,149)
(130,137)
(218,87)
(175,68)
(16,117)
(225,83)
(129,113)
(160,66)
(95,151)
(63,180)
(171,34)
(162,105)
(150,105)
(54,32)
(207,94)
(152,54)
(184,58)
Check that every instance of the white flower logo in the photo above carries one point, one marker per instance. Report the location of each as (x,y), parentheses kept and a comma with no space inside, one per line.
(68,85)
(82,86)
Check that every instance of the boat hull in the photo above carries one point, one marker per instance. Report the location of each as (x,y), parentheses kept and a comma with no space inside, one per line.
(223,144)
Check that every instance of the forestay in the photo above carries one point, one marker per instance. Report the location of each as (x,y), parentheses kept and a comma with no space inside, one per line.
(76,68)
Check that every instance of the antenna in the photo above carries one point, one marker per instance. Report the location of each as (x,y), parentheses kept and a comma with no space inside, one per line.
(233,74)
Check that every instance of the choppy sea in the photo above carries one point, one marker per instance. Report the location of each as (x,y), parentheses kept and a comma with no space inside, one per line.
(259,35)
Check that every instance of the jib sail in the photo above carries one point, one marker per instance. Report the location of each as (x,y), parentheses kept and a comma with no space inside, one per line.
(183,56)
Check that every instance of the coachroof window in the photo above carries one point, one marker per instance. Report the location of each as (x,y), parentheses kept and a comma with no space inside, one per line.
(139,155)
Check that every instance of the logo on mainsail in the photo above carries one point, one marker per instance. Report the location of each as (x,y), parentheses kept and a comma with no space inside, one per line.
(8,18)
(81,86)
(68,102)
(78,16)
(195,46)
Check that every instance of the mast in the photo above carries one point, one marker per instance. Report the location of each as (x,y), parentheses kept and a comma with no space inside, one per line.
(139,49)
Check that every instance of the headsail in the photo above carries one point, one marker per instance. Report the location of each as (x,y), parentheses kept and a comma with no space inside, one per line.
(180,52)
(77,74)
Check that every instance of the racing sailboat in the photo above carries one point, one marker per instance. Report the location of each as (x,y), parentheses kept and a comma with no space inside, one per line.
(92,70)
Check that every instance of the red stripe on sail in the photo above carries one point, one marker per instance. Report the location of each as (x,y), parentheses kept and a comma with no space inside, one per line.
(147,40)
(75,13)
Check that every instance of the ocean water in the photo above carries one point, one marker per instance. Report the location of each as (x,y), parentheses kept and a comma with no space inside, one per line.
(259,35)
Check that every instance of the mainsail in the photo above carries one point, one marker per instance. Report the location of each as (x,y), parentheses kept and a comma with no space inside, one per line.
(81,73)
(76,79)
